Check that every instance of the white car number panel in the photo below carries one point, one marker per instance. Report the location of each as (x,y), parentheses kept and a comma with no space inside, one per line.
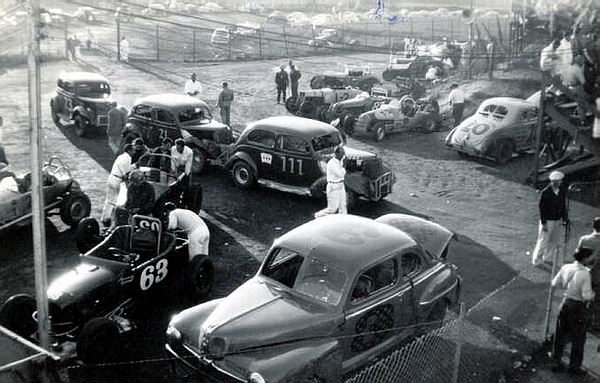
(152,274)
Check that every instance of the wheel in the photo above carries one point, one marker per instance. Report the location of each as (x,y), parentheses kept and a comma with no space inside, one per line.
(75,207)
(87,234)
(201,275)
(55,117)
(503,151)
(291,105)
(199,161)
(307,109)
(435,319)
(243,175)
(317,82)
(321,114)
(379,132)
(80,126)
(429,125)
(16,314)
(347,123)
(97,341)
(351,198)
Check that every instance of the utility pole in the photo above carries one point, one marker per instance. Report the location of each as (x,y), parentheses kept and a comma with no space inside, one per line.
(37,196)
(540,127)
(471,48)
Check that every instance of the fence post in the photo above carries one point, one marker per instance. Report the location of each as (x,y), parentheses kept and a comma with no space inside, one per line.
(194,45)
(157,45)
(451,30)
(313,39)
(432,28)
(229,43)
(412,29)
(366,33)
(540,128)
(67,37)
(287,51)
(459,342)
(260,42)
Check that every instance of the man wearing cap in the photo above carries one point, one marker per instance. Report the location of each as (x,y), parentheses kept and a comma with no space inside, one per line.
(592,241)
(281,81)
(119,173)
(336,191)
(457,100)
(139,150)
(192,87)
(195,228)
(224,103)
(553,210)
(140,194)
(117,117)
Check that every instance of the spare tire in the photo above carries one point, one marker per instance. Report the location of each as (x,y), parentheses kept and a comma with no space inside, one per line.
(372,168)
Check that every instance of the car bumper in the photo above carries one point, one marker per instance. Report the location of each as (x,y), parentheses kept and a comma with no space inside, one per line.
(191,365)
(102,120)
(381,187)
(470,151)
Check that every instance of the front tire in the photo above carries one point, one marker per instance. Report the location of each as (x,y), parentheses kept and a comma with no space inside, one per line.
(74,208)
(97,341)
(55,117)
(199,161)
(80,126)
(243,175)
(201,276)
(347,123)
(16,314)
(503,151)
(429,125)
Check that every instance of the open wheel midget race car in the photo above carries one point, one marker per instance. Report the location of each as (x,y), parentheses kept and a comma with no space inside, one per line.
(62,196)
(91,303)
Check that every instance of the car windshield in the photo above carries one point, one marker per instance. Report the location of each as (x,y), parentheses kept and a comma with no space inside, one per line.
(306,275)
(195,116)
(326,142)
(92,90)
(493,112)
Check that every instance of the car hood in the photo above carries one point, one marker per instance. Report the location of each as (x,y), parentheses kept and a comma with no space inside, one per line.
(257,314)
(96,100)
(353,154)
(82,281)
(211,125)
(474,132)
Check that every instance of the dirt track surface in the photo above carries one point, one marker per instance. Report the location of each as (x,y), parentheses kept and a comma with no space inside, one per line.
(493,213)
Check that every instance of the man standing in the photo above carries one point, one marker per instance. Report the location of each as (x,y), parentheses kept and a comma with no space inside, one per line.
(592,241)
(294,77)
(162,160)
(140,194)
(119,172)
(336,191)
(192,87)
(124,49)
(549,58)
(117,117)
(281,80)
(571,324)
(224,103)
(139,149)
(457,100)
(182,158)
(553,209)
(490,58)
(197,231)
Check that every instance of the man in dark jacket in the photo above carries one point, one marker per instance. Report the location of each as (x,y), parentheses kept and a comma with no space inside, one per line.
(553,210)
(140,149)
(281,80)
(294,77)
(140,194)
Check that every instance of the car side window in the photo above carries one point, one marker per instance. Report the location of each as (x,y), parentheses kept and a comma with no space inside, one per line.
(293,144)
(143,111)
(376,278)
(164,117)
(411,264)
(262,138)
(283,266)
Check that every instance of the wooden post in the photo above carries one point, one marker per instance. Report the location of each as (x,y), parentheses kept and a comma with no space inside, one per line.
(66,30)
(451,30)
(540,127)
(314,37)
(366,33)
(432,28)
(459,342)
(287,51)
(194,45)
(229,43)
(260,42)
(157,45)
(412,29)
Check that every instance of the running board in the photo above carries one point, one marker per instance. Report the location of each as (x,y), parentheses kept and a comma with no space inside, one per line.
(285,188)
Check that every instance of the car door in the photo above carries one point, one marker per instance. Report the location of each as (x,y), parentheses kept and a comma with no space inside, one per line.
(378,313)
(525,129)
(163,125)
(262,151)
(294,163)
(66,96)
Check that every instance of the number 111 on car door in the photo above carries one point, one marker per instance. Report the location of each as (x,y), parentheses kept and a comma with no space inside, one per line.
(291,165)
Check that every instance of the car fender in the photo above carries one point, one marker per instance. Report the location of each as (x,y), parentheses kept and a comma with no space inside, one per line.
(357,182)
(241,156)
(304,361)
(54,104)
(444,286)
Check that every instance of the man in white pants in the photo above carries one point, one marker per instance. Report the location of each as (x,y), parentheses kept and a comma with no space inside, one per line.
(553,210)
(336,191)
(118,174)
(193,225)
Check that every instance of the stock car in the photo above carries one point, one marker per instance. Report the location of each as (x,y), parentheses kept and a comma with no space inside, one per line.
(357,287)
(290,154)
(62,196)
(359,77)
(501,127)
(179,116)
(84,98)
(315,103)
(91,304)
(398,116)
(412,67)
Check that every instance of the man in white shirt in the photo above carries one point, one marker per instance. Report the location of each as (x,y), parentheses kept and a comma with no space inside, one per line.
(336,191)
(182,158)
(549,58)
(195,228)
(118,174)
(124,50)
(432,73)
(457,100)
(571,324)
(192,87)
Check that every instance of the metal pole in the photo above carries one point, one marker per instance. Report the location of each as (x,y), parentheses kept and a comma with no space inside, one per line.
(471,48)
(37,196)
(459,342)
(157,46)
(287,51)
(432,34)
(260,42)
(412,29)
(118,40)
(194,46)
(540,127)
(66,30)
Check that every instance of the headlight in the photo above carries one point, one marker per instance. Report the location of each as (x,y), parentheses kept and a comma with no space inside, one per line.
(255,377)
(173,334)
(217,348)
(322,166)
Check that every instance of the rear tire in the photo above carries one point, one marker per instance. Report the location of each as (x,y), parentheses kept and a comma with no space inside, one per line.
(291,105)
(97,341)
(347,123)
(55,117)
(87,234)
(243,175)
(317,82)
(201,275)
(503,151)
(199,161)
(74,208)
(351,199)
(16,314)
(80,126)
(429,125)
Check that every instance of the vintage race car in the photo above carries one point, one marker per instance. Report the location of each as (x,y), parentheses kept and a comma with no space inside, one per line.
(331,296)
(412,67)
(62,196)
(501,127)
(359,77)
(84,98)
(398,116)
(315,103)
(89,304)
(178,116)
(291,153)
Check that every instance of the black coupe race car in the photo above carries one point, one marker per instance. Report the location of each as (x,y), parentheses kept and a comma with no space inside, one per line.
(90,304)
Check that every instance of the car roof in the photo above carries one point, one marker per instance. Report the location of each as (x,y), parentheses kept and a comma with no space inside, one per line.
(82,77)
(508,102)
(349,242)
(298,126)
(173,101)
